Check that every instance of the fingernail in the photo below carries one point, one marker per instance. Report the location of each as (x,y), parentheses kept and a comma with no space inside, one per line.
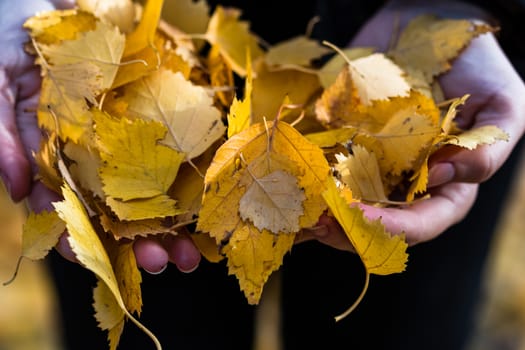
(190,270)
(440,173)
(156,272)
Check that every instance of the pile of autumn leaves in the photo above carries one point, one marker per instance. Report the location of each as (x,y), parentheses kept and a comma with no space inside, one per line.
(146,134)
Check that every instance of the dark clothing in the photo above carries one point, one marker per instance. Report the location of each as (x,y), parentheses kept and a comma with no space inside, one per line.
(430,306)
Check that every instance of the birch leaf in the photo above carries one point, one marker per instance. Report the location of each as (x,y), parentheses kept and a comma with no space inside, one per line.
(273,202)
(40,234)
(89,250)
(233,37)
(360,171)
(253,255)
(185,109)
(102,47)
(271,147)
(239,117)
(429,43)
(108,313)
(298,51)
(120,13)
(135,166)
(331,69)
(189,16)
(381,253)
(221,77)
(377,78)
(270,88)
(259,151)
(483,135)
(144,33)
(84,168)
(52,27)
(128,276)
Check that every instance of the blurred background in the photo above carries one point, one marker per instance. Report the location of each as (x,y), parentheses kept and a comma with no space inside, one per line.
(28,305)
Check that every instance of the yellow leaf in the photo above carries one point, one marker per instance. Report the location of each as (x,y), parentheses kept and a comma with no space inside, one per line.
(381,253)
(331,69)
(159,206)
(257,152)
(233,37)
(297,51)
(447,121)
(101,47)
(75,71)
(221,77)
(40,234)
(46,161)
(338,104)
(134,164)
(143,35)
(273,202)
(483,135)
(62,101)
(136,171)
(118,12)
(141,63)
(240,113)
(360,172)
(429,43)
(128,277)
(377,78)
(108,313)
(330,138)
(187,110)
(207,246)
(189,16)
(162,52)
(84,168)
(52,27)
(130,229)
(253,255)
(404,138)
(189,186)
(89,250)
(419,180)
(270,88)
(268,152)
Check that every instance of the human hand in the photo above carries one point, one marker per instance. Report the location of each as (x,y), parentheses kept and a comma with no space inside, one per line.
(20,137)
(484,72)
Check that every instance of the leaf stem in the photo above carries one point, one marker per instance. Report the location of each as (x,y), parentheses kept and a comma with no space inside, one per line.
(144,329)
(15,273)
(356,303)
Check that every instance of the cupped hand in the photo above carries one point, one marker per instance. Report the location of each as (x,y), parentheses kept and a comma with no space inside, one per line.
(483,71)
(20,137)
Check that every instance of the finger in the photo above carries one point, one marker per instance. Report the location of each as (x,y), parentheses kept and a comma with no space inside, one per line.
(14,165)
(150,255)
(182,252)
(429,218)
(492,101)
(454,164)
(64,248)
(327,231)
